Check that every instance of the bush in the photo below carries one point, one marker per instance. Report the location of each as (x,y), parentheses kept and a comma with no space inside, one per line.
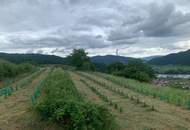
(138,70)
(135,69)
(140,76)
(88,66)
(25,67)
(101,67)
(63,104)
(8,69)
(116,68)
(76,115)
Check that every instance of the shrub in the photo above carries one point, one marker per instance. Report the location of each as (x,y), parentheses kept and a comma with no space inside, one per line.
(8,69)
(135,69)
(63,104)
(116,68)
(138,70)
(140,76)
(25,67)
(88,66)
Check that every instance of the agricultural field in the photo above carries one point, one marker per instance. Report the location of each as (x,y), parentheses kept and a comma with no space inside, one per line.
(9,81)
(172,69)
(94,65)
(133,109)
(171,95)
(14,104)
(58,99)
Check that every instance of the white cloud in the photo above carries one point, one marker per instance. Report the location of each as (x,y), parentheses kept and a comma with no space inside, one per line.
(137,28)
(183,45)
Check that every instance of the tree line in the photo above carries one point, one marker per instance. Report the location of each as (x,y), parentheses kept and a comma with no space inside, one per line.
(135,69)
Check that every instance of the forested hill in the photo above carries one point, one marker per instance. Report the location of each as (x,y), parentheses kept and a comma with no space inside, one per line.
(181,58)
(35,58)
(108,59)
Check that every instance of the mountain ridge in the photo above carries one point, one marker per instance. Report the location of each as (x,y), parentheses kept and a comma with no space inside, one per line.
(108,59)
(36,58)
(180,58)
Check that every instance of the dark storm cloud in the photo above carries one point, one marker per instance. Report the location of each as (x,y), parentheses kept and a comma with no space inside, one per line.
(164,21)
(51,41)
(157,21)
(58,26)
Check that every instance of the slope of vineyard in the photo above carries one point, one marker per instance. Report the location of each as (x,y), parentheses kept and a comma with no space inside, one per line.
(171,95)
(56,99)
(14,108)
(133,110)
(61,103)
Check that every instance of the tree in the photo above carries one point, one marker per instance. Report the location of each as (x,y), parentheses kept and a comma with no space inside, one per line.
(101,67)
(80,60)
(137,69)
(134,69)
(88,66)
(116,68)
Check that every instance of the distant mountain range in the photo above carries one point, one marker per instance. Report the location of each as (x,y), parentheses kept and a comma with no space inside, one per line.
(150,58)
(36,58)
(108,59)
(181,58)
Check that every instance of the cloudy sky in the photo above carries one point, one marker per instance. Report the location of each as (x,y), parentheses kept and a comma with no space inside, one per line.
(154,27)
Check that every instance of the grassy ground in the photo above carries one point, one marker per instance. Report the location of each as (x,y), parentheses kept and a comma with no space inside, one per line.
(172,69)
(12,81)
(15,114)
(134,115)
(171,95)
(91,96)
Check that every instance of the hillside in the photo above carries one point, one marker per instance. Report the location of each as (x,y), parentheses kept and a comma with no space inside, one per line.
(36,58)
(108,59)
(150,58)
(181,58)
(39,97)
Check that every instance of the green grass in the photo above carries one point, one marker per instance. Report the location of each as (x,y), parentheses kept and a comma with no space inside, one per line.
(37,91)
(102,96)
(6,91)
(61,103)
(28,79)
(168,94)
(113,89)
(172,69)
